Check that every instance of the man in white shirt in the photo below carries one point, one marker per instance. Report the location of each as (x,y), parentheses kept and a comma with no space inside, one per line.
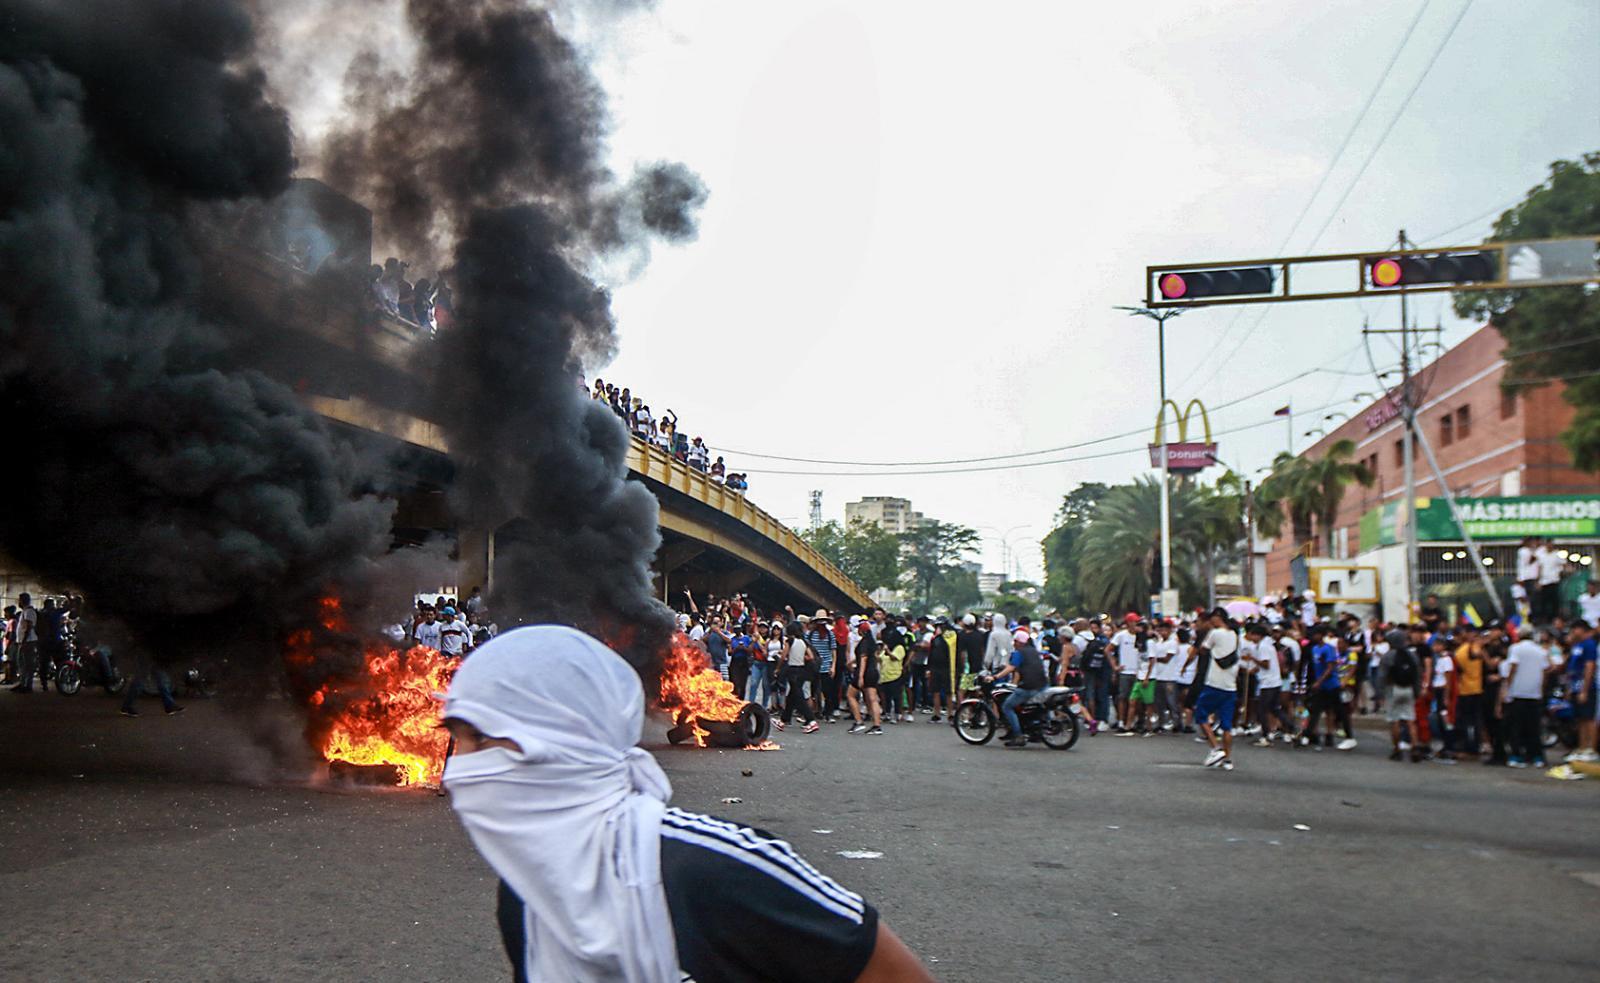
(1125,653)
(455,637)
(1589,603)
(1219,698)
(25,646)
(1523,671)
(1260,655)
(428,630)
(1164,653)
(1527,572)
(1308,610)
(1547,603)
(1270,611)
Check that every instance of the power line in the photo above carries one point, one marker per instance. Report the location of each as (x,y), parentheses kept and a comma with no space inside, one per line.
(1322,182)
(1360,118)
(1371,155)
(1011,457)
(1553,378)
(1474,220)
(1384,136)
(1015,467)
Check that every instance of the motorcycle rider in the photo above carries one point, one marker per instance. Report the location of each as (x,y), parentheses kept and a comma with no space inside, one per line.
(1028,666)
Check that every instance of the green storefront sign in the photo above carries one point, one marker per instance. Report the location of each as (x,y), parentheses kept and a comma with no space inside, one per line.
(1485,518)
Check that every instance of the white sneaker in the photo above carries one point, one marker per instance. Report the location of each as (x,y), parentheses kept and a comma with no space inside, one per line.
(1588,754)
(1405,745)
(1215,757)
(1348,744)
(1263,742)
(1227,764)
(810,728)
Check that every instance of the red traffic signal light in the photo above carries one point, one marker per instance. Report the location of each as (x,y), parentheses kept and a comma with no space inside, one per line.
(1195,284)
(1408,271)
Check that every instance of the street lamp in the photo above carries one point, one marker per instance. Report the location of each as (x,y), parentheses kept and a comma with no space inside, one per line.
(1161,317)
(1337,413)
(1314,432)
(1005,545)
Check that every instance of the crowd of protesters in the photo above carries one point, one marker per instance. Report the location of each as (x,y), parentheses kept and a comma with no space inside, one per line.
(1285,676)
(40,642)
(663,433)
(427,304)
(450,626)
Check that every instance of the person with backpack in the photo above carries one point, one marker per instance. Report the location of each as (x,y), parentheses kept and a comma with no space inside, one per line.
(1400,673)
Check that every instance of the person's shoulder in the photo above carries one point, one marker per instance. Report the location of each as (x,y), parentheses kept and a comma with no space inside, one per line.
(733,867)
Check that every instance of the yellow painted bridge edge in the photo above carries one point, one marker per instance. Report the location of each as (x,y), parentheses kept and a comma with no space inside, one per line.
(659,466)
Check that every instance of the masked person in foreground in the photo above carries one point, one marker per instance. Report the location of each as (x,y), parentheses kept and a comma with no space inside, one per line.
(599,879)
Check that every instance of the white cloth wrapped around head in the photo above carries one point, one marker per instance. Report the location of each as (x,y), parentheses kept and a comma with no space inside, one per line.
(572,820)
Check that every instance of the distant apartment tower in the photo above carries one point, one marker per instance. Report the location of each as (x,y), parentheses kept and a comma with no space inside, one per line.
(892,514)
(989,583)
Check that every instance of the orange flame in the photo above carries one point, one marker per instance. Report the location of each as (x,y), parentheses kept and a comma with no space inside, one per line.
(387,714)
(693,690)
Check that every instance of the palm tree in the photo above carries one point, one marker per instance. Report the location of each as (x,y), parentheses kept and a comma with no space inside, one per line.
(1308,490)
(1288,491)
(1119,561)
(1329,475)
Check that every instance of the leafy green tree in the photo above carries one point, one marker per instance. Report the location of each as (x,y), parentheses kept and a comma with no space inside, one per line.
(1061,547)
(932,551)
(955,590)
(1553,332)
(865,551)
(1014,606)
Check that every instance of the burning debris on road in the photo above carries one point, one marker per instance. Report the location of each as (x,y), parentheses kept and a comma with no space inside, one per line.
(703,704)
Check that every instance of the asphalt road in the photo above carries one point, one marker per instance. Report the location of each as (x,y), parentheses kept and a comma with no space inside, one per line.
(176,849)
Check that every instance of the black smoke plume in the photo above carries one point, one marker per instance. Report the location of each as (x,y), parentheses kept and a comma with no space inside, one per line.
(195,502)
(492,148)
(194,499)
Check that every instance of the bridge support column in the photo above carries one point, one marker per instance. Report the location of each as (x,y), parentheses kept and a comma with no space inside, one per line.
(669,558)
(475,553)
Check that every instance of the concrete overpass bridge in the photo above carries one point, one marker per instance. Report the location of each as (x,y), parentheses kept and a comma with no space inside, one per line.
(713,540)
(364,374)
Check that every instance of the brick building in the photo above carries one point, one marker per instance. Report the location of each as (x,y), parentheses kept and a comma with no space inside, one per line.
(1494,448)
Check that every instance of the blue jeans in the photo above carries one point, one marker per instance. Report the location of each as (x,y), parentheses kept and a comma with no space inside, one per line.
(759,689)
(1009,708)
(1099,693)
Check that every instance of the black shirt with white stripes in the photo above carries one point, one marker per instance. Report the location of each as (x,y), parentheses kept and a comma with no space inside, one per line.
(745,908)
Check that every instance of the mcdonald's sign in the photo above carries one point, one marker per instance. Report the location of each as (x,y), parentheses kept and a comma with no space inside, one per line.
(1183,455)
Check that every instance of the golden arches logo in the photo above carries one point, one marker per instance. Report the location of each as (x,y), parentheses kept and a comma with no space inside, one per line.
(1181,417)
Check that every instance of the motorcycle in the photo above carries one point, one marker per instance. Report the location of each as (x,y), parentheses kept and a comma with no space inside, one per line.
(1048,718)
(97,670)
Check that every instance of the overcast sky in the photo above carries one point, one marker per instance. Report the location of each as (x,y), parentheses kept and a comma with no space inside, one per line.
(921,216)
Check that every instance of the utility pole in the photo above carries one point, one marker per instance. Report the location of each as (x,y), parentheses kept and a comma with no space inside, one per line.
(816,510)
(1408,413)
(1247,576)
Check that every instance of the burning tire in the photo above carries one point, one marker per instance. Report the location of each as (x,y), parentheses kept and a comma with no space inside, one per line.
(751,726)
(754,722)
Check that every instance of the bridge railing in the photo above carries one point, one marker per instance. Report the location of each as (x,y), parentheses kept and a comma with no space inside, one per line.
(656,464)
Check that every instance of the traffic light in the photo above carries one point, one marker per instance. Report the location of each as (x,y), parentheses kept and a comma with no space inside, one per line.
(1195,284)
(1385,272)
